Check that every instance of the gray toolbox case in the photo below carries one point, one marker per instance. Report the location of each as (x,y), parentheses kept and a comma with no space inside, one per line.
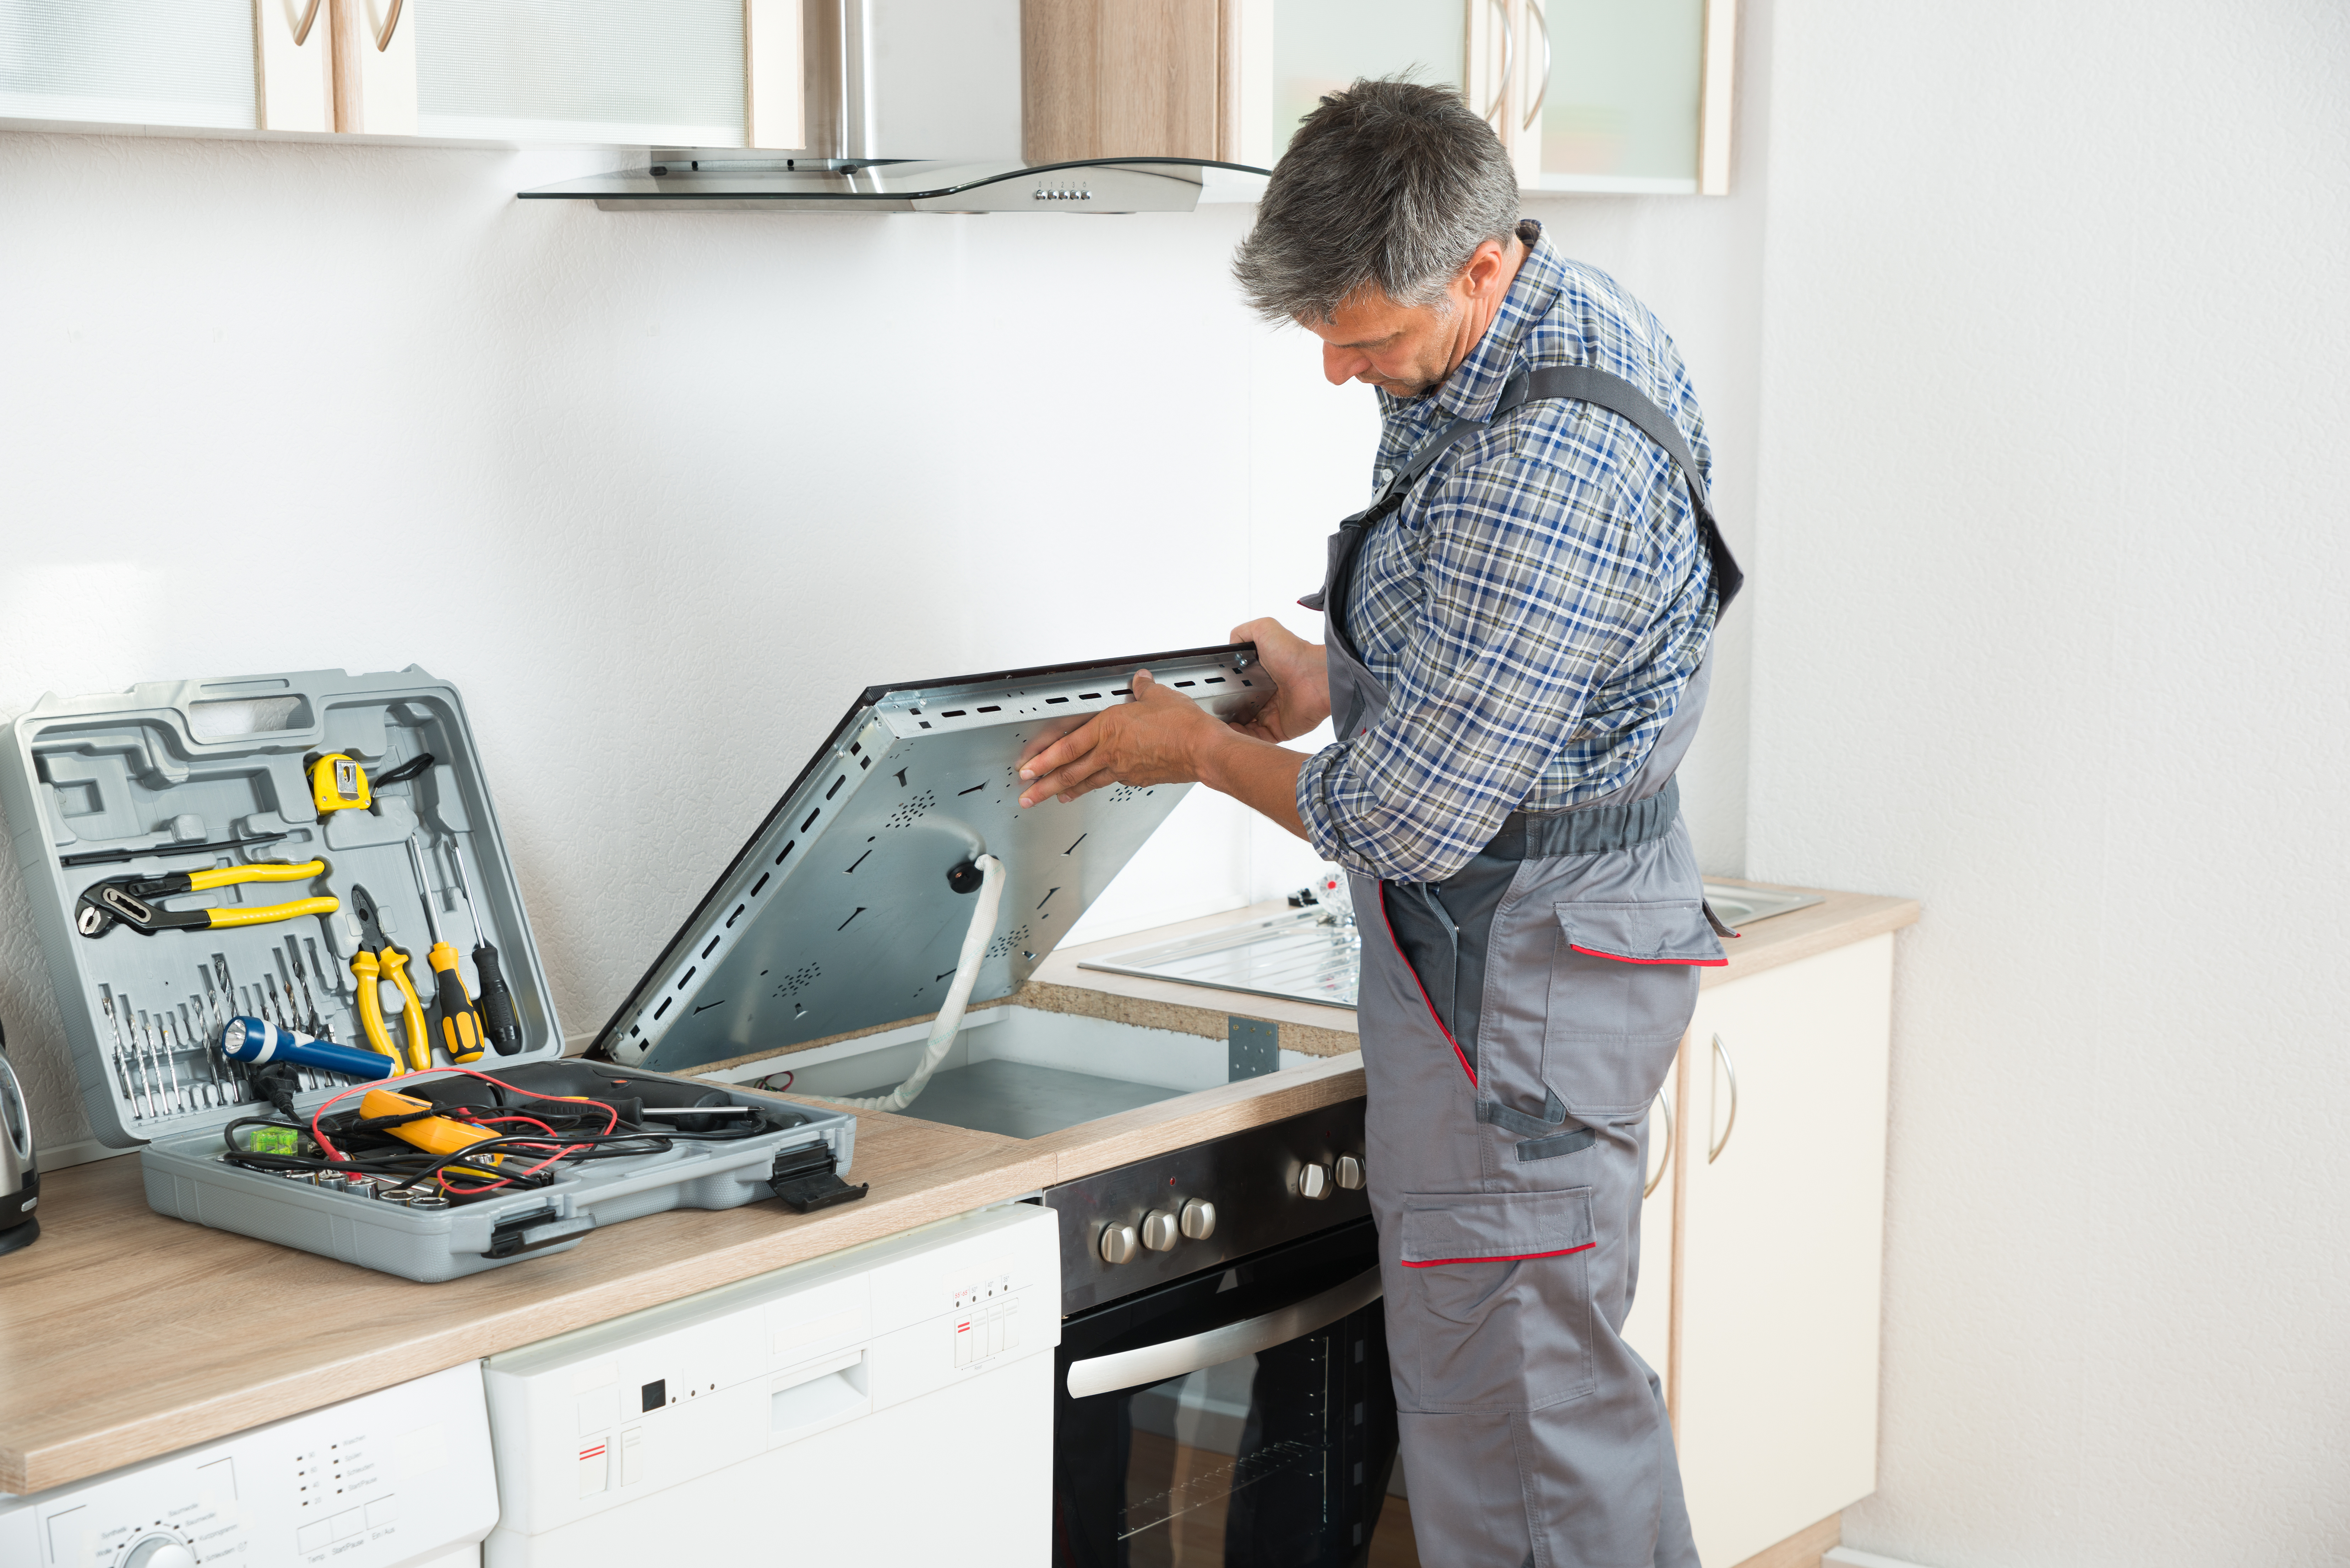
(168,763)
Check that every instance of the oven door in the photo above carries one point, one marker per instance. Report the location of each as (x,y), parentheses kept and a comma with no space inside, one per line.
(1241,1417)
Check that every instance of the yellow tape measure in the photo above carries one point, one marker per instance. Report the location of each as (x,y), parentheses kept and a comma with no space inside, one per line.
(337,783)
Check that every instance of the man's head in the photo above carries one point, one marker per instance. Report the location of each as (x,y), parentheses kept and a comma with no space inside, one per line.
(1388,231)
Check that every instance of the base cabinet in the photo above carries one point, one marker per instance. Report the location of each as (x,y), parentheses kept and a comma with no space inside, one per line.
(1779,1246)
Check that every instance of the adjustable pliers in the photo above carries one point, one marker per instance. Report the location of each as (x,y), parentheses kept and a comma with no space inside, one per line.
(131,900)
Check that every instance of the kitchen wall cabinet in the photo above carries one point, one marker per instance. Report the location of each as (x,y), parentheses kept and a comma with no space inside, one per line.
(1621,96)
(1780,1167)
(1588,95)
(145,62)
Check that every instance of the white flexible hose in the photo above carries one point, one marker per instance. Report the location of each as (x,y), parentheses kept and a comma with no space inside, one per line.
(948,1021)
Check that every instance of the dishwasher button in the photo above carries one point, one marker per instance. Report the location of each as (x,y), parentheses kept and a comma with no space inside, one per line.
(1199,1218)
(1117,1244)
(1350,1173)
(1160,1230)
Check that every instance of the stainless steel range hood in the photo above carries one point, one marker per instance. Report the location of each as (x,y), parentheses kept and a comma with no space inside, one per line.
(896,106)
(735,182)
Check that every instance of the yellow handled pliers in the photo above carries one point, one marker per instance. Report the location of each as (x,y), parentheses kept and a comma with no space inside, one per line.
(377,959)
(131,900)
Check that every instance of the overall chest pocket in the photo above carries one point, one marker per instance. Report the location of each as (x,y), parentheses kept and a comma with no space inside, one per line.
(1495,1300)
(1623,983)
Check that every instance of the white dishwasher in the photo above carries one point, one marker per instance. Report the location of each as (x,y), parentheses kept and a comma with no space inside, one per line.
(396,1479)
(891,1404)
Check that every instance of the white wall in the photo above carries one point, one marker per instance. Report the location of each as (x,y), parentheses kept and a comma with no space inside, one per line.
(2048,636)
(660,492)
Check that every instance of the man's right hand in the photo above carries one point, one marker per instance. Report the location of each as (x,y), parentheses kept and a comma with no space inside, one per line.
(1301,680)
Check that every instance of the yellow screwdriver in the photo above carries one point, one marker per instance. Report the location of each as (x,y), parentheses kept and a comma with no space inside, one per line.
(461,1026)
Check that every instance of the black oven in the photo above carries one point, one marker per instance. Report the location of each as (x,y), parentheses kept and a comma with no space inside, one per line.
(1240,1414)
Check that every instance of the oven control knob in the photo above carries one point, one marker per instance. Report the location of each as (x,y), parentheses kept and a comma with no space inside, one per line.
(160,1552)
(1159,1232)
(1199,1218)
(1117,1244)
(1350,1173)
(1313,1181)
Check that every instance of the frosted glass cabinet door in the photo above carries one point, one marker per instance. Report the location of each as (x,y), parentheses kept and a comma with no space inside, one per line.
(1294,51)
(129,62)
(1624,95)
(668,72)
(1782,1247)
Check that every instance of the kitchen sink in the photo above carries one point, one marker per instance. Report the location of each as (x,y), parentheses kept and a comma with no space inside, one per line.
(1314,954)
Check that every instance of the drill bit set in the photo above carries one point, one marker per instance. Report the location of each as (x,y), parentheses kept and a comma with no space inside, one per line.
(258,896)
(166,1063)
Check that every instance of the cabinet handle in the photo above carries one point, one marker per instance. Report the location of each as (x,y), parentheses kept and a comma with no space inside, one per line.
(309,19)
(1533,9)
(1664,1098)
(1731,1126)
(1509,57)
(391,23)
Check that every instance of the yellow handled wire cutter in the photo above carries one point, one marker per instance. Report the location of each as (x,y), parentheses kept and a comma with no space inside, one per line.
(379,959)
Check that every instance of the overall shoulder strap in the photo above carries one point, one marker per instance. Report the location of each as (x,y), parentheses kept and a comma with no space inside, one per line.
(1589,384)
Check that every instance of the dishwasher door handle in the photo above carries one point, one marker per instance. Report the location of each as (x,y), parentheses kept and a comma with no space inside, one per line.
(1175,1357)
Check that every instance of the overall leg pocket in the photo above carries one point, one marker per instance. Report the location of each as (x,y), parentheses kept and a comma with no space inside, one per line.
(1494,1295)
(1623,984)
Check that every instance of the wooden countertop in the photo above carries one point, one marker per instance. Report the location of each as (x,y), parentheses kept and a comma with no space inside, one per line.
(125,1334)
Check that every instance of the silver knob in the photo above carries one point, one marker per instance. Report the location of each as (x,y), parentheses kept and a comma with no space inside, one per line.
(160,1552)
(1117,1244)
(1313,1181)
(1199,1218)
(1350,1173)
(1159,1232)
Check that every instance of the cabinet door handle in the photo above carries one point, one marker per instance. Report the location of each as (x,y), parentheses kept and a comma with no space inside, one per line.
(1664,1099)
(310,19)
(1533,9)
(1730,1126)
(390,24)
(1509,57)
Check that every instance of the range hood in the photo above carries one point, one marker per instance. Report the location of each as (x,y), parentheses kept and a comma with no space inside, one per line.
(721,181)
(897,106)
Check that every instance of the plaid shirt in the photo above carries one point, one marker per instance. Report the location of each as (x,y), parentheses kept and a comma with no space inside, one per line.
(1534,608)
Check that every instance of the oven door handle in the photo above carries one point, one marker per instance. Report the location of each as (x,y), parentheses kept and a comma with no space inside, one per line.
(1175,1357)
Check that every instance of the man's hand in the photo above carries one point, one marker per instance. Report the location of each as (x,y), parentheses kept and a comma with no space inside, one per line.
(1163,737)
(1300,678)
(1155,739)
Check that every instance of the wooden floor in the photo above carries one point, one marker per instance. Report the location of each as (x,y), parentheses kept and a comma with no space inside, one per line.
(1391,1544)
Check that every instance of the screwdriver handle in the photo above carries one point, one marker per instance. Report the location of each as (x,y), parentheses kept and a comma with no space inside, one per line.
(498,1020)
(460,1030)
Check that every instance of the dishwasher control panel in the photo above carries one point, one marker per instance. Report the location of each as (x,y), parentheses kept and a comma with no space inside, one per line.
(389,1479)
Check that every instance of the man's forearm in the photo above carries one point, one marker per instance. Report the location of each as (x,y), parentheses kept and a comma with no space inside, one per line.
(1258,774)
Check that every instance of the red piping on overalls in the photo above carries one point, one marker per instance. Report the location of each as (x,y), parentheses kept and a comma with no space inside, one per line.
(1619,957)
(1513,1257)
(1424,1002)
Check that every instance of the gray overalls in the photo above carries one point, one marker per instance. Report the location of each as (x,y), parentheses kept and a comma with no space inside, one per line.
(1517,1019)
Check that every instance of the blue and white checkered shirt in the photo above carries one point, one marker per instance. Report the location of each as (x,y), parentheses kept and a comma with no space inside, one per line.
(1535,606)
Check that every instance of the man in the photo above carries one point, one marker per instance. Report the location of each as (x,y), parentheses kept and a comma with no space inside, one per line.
(1515,663)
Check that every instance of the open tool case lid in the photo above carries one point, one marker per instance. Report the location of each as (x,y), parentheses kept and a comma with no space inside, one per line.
(838,916)
(172,763)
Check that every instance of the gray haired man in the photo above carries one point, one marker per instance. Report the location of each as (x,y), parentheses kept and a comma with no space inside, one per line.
(1514,663)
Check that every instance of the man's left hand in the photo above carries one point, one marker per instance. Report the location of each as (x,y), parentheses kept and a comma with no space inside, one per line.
(1155,739)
